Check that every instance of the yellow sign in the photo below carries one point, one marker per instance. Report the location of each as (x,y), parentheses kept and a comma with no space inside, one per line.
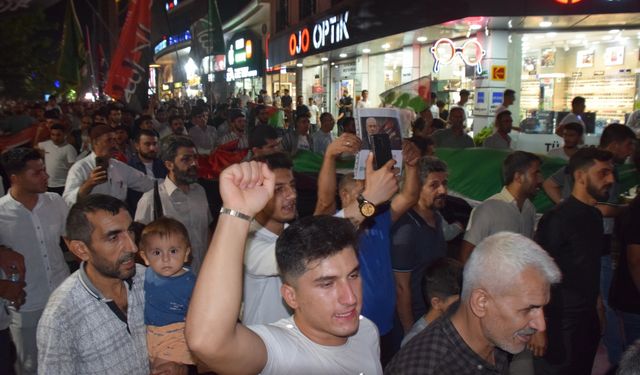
(498,72)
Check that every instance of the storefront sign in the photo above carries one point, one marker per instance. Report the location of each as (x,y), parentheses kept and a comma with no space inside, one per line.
(498,72)
(328,32)
(444,51)
(244,57)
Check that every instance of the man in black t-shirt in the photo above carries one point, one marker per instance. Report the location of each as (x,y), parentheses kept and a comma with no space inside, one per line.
(573,235)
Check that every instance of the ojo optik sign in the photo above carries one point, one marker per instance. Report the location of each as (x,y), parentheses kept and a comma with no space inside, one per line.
(324,33)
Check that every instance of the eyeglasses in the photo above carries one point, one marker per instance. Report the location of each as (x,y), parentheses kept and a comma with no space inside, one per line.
(444,51)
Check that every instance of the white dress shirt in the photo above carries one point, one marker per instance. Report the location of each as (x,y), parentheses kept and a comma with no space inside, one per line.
(58,160)
(36,235)
(190,208)
(121,177)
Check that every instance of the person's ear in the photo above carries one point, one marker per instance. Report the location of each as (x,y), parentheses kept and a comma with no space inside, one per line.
(78,248)
(186,254)
(143,255)
(168,164)
(437,304)
(478,302)
(289,295)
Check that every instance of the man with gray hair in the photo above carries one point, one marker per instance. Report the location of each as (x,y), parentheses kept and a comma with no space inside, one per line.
(506,284)
(181,197)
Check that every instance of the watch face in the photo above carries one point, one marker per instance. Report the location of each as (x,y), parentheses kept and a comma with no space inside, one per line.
(367,209)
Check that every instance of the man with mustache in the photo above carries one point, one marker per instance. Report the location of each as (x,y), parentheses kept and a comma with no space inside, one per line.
(506,284)
(510,209)
(112,178)
(181,196)
(573,234)
(418,240)
(94,321)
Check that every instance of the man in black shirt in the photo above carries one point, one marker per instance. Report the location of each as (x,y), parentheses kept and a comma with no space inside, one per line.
(573,235)
(506,283)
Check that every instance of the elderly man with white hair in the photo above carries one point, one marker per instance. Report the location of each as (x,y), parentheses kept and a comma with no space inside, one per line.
(506,284)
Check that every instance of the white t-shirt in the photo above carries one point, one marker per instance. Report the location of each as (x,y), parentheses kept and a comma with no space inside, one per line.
(289,351)
(58,160)
(303,143)
(263,302)
(314,110)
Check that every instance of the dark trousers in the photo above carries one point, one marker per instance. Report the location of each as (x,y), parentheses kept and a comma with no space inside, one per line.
(7,353)
(573,341)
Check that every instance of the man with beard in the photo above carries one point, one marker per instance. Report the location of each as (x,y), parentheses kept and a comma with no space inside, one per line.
(31,223)
(204,136)
(94,322)
(110,176)
(454,136)
(510,209)
(500,139)
(506,284)
(176,127)
(572,233)
(181,197)
(146,161)
(237,125)
(418,240)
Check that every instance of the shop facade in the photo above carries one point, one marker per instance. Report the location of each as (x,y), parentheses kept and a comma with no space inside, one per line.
(555,52)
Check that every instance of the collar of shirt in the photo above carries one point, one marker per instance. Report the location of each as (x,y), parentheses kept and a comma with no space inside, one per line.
(19,204)
(467,354)
(261,231)
(171,187)
(91,289)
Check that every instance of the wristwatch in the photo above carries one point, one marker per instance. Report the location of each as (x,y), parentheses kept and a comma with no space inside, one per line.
(367,209)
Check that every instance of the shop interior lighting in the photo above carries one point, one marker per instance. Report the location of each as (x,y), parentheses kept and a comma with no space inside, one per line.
(343,55)
(475,26)
(486,31)
(421,39)
(510,24)
(509,39)
(607,37)
(552,34)
(386,46)
(366,50)
(332,63)
(299,65)
(324,59)
(545,23)
(614,31)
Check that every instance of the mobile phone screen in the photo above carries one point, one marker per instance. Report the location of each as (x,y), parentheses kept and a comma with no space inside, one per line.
(381,149)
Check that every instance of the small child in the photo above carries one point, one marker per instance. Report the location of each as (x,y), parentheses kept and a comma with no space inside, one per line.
(441,286)
(168,286)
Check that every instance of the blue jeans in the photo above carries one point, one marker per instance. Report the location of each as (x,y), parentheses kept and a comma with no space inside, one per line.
(612,338)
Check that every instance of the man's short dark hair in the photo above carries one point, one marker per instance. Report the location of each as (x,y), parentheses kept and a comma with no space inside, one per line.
(509,92)
(261,134)
(422,143)
(234,114)
(57,127)
(277,160)
(615,133)
(517,162)
(142,118)
(501,114)
(170,144)
(574,126)
(78,226)
(433,95)
(428,165)
(14,161)
(442,279)
(577,100)
(196,111)
(464,92)
(147,132)
(52,114)
(586,157)
(324,115)
(309,239)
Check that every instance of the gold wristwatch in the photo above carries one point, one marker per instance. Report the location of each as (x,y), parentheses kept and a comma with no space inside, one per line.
(367,209)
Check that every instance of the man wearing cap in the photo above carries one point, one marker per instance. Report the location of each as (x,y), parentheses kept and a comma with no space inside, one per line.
(264,140)
(237,124)
(112,177)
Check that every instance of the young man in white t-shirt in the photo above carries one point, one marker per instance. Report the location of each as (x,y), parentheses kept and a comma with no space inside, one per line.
(59,156)
(314,113)
(320,271)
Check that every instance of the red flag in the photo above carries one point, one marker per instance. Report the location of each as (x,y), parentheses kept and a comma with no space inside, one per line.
(127,72)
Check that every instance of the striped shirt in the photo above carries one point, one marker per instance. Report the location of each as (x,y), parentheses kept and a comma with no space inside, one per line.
(82,332)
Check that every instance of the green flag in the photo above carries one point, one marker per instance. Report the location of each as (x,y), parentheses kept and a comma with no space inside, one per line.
(72,51)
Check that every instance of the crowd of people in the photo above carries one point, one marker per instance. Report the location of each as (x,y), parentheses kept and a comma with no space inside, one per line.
(125,261)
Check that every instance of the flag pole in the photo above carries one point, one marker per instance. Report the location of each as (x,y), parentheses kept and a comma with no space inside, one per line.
(90,54)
